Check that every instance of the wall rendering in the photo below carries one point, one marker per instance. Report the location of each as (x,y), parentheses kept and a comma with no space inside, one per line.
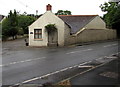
(90,35)
(47,18)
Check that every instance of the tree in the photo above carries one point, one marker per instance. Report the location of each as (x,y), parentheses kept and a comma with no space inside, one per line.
(112,16)
(10,25)
(16,24)
(62,12)
(24,21)
(110,8)
(5,29)
(116,19)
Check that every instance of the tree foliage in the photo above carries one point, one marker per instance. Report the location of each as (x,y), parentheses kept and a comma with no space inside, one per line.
(112,16)
(24,21)
(62,12)
(50,28)
(111,9)
(116,19)
(9,25)
(16,24)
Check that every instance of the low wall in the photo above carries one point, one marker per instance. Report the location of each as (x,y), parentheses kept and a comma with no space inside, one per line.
(70,40)
(90,35)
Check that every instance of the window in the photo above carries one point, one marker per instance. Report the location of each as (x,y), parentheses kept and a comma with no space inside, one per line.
(37,33)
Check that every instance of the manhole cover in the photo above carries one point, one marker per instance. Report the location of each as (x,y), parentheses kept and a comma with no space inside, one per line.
(110,75)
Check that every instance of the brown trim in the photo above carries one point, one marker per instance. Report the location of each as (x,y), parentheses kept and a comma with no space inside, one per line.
(39,39)
(38,33)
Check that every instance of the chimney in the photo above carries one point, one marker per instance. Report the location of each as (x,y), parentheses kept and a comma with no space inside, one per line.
(49,7)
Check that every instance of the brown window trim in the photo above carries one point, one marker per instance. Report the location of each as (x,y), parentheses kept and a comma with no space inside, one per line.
(39,39)
(40,33)
(37,33)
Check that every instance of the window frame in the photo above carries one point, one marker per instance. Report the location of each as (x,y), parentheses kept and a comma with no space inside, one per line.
(39,32)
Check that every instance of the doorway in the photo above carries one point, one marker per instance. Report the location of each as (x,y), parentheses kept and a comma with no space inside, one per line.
(53,38)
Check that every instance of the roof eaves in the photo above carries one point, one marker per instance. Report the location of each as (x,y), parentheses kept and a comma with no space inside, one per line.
(67,24)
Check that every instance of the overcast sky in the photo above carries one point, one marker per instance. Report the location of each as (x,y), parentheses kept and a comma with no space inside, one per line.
(77,7)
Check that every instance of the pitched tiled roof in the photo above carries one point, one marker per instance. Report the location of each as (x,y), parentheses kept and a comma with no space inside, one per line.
(1,17)
(76,22)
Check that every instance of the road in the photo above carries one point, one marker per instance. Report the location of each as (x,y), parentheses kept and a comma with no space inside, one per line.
(21,63)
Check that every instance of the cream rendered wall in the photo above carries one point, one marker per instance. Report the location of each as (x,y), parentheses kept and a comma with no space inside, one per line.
(89,35)
(47,18)
(96,23)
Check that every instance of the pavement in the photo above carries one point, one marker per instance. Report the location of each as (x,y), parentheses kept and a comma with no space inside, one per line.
(105,75)
(22,65)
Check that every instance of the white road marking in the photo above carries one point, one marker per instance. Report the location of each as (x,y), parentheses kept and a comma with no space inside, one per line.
(55,72)
(110,45)
(114,44)
(64,69)
(107,45)
(84,63)
(88,50)
(75,66)
(70,67)
(100,58)
(80,65)
(36,78)
(15,84)
(29,60)
(71,52)
(30,80)
(79,51)
(112,57)
(85,66)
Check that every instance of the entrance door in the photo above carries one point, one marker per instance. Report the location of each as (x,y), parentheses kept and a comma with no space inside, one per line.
(53,38)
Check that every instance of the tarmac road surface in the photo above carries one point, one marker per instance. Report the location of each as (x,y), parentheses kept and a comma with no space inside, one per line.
(21,63)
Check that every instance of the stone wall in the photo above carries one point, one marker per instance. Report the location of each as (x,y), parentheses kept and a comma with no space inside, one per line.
(91,35)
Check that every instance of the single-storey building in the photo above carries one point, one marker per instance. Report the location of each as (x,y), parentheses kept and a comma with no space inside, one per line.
(70,29)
